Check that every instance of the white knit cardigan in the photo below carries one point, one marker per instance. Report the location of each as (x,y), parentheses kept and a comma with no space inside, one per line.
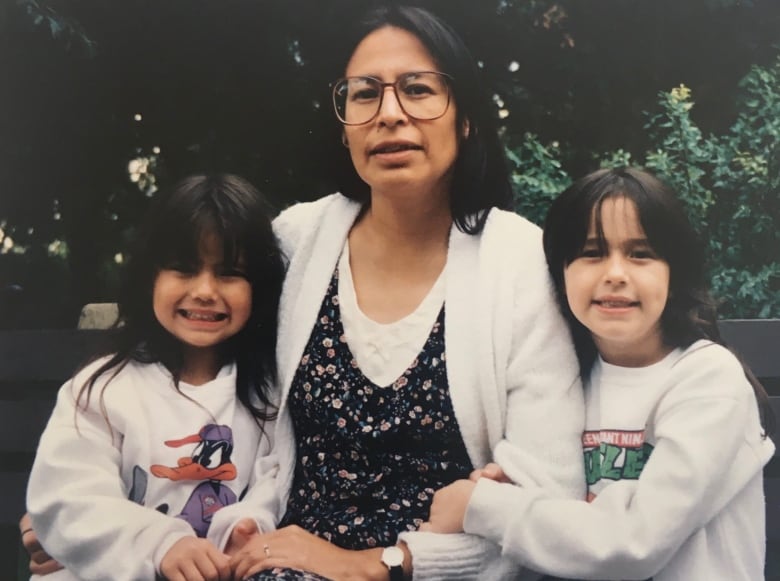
(511,367)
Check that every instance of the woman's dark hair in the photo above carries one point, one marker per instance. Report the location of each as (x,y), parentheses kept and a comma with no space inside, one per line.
(234,211)
(480,178)
(690,312)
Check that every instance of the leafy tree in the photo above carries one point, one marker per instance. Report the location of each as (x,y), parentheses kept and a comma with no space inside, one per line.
(730,185)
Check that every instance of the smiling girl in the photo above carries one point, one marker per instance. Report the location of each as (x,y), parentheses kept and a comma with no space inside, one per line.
(150,447)
(674,446)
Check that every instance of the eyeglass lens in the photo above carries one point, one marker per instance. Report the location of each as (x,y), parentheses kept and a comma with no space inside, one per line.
(422,95)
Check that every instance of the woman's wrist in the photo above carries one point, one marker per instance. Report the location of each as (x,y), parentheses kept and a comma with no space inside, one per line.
(373,569)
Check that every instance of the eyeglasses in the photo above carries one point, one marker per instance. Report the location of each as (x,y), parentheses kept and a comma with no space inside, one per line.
(423,95)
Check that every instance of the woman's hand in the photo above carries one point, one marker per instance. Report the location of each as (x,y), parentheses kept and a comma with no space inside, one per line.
(194,559)
(492,471)
(449,508)
(294,548)
(41,562)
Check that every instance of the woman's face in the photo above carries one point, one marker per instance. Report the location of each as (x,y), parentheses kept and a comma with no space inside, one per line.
(394,153)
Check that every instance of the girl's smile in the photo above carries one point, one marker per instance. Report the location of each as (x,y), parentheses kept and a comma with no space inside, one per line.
(205,305)
(618,287)
(200,315)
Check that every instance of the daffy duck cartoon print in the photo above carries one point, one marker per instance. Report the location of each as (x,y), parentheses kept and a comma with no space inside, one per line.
(210,462)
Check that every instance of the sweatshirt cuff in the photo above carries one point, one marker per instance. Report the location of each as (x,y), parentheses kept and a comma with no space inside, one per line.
(493,506)
(166,543)
(439,557)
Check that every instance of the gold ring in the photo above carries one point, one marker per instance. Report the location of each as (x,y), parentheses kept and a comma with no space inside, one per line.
(267,551)
(25,531)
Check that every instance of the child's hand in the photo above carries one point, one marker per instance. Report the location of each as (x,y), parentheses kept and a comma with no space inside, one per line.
(241,534)
(449,508)
(492,471)
(194,559)
(40,561)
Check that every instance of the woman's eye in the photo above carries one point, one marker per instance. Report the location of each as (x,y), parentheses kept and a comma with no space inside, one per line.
(367,94)
(418,90)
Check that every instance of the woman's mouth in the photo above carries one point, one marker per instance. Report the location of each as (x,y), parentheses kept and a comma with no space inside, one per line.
(394,147)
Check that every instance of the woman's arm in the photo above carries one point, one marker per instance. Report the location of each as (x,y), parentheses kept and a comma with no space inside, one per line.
(295,548)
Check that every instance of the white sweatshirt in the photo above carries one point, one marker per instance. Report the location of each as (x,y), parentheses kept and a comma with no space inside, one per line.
(676,474)
(85,472)
(510,363)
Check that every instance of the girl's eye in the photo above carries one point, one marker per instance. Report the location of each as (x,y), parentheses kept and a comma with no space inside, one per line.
(643,254)
(590,253)
(233,273)
(180,268)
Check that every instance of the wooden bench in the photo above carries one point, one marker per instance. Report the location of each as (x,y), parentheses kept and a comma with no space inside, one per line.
(33,364)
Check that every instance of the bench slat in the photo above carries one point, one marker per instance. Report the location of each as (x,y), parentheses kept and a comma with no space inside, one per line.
(48,355)
(22,424)
(757,341)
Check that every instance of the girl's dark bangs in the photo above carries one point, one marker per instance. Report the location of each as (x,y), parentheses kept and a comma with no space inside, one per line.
(580,219)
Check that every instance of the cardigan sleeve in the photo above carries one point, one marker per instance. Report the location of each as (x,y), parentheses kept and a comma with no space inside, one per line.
(545,409)
(708,447)
(77,501)
(438,557)
(532,370)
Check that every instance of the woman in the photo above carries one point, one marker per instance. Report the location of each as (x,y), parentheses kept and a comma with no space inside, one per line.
(382,282)
(420,338)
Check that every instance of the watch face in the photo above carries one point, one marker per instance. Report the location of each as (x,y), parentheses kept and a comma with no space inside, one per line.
(393,557)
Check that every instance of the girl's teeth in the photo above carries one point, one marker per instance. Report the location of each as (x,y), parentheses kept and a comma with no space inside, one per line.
(204,316)
(614,304)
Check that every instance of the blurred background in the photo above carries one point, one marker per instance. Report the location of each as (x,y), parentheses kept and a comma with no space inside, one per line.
(104,102)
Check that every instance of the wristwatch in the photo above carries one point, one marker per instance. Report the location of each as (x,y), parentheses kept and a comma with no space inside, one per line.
(393,559)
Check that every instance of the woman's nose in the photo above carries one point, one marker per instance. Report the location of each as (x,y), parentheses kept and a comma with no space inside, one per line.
(390,110)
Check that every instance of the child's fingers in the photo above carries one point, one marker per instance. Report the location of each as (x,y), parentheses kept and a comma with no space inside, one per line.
(45,567)
(212,565)
(240,534)
(221,563)
(246,526)
(492,471)
(476,474)
(190,571)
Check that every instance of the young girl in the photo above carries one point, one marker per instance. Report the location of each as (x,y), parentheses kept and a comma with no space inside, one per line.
(674,445)
(149,444)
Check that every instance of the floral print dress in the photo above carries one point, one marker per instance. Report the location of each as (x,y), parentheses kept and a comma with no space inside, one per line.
(369,457)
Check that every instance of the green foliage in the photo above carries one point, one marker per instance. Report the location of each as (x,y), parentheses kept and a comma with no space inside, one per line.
(682,153)
(61,27)
(729,184)
(537,176)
